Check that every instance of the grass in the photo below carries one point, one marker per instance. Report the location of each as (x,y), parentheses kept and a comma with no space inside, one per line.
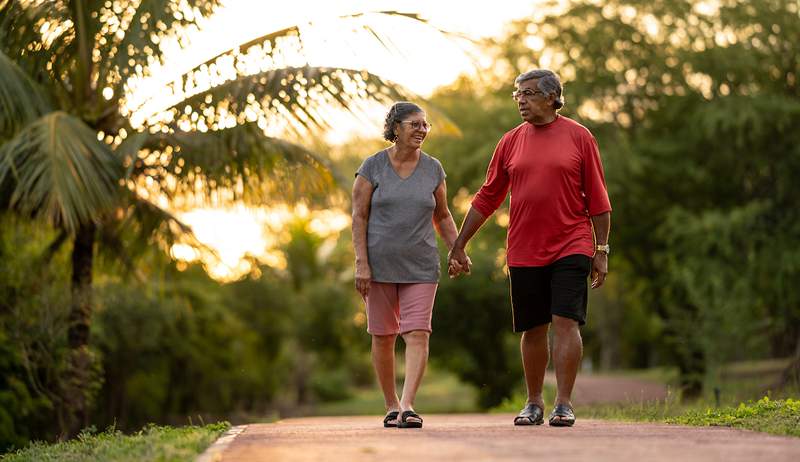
(739,384)
(779,417)
(440,392)
(153,443)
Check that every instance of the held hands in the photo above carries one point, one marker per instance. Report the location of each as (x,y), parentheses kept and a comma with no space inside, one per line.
(458,262)
(599,269)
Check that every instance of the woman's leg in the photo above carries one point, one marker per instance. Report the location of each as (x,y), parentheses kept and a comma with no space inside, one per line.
(416,362)
(383,361)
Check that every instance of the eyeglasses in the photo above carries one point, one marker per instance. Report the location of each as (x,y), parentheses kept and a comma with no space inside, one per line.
(417,125)
(526,93)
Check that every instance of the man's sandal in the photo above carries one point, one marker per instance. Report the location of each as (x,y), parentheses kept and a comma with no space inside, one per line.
(405,423)
(531,414)
(391,419)
(562,416)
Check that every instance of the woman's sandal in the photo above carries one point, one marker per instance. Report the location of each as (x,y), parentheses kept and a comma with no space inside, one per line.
(405,423)
(391,419)
(562,416)
(531,414)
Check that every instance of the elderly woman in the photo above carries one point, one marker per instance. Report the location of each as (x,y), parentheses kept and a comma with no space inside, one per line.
(399,197)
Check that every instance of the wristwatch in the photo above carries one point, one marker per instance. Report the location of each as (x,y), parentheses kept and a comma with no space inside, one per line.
(604,248)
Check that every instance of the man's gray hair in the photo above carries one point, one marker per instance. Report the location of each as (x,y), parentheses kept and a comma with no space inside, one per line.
(549,83)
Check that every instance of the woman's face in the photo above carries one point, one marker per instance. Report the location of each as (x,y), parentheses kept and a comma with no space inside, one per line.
(412,130)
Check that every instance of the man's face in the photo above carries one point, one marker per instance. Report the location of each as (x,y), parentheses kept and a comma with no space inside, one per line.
(532,103)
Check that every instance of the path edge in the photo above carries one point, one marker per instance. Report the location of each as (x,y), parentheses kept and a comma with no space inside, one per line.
(214,452)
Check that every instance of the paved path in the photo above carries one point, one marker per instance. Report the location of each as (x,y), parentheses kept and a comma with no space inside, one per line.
(481,437)
(593,389)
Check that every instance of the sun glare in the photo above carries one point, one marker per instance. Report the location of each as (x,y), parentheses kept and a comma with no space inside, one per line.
(415,56)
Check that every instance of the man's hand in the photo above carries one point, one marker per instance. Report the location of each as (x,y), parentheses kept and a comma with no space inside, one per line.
(363,277)
(599,269)
(458,262)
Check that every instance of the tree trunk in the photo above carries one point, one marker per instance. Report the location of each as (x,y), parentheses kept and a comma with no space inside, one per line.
(80,377)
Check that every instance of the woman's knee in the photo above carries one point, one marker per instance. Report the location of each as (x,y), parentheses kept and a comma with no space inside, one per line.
(419,337)
(384,341)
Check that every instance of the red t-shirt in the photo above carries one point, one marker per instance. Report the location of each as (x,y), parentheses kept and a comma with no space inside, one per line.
(557,183)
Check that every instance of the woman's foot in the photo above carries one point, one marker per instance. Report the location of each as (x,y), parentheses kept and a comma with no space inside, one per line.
(391,419)
(409,419)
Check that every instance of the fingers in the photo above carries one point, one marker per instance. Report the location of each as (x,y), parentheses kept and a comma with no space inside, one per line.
(458,266)
(362,286)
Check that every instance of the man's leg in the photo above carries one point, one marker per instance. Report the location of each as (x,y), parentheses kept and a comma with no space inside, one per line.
(567,353)
(416,362)
(535,353)
(383,361)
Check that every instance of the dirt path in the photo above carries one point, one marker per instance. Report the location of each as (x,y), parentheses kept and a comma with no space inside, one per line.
(480,437)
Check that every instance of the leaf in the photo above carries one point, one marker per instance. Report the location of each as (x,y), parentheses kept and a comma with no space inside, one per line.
(21,100)
(59,171)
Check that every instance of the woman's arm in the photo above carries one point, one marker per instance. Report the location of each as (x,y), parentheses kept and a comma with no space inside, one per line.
(442,219)
(362,197)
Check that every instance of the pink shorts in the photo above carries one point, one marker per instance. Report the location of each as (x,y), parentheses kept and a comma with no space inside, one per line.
(398,308)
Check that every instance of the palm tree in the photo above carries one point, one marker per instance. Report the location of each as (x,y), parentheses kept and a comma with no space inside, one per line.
(77,151)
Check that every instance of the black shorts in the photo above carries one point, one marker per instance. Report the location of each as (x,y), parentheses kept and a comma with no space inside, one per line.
(560,288)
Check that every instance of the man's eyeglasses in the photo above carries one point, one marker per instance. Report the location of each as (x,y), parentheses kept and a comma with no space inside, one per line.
(417,125)
(526,93)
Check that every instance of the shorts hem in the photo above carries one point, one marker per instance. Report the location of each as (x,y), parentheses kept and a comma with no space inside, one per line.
(573,316)
(430,331)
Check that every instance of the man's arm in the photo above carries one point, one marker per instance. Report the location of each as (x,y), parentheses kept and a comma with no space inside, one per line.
(458,258)
(602,227)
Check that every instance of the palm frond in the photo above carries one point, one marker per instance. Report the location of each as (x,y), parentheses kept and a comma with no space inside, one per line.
(289,98)
(275,61)
(236,164)
(134,36)
(37,36)
(137,225)
(59,171)
(21,101)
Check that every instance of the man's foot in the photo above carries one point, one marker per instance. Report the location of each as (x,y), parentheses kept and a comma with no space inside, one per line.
(531,414)
(391,419)
(562,416)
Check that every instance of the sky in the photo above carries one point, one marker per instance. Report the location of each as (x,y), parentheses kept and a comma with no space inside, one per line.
(425,61)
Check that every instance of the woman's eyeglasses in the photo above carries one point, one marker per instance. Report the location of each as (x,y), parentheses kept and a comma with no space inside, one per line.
(417,125)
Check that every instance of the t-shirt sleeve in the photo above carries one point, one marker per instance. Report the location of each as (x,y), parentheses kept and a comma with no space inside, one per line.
(495,188)
(440,173)
(594,183)
(367,170)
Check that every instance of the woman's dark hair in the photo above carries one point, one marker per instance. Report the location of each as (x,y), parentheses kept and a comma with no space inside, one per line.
(398,113)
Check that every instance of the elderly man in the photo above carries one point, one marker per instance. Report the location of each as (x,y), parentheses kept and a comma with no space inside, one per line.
(557,235)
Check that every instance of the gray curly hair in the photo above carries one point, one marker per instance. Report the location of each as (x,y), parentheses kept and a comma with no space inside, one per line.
(398,113)
(549,83)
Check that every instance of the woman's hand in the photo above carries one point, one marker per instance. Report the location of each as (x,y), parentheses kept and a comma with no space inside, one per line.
(363,278)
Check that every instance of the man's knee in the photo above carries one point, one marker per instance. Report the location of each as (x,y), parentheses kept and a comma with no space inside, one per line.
(564,324)
(535,334)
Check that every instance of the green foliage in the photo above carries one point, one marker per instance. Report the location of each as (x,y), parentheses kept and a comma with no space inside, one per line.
(780,417)
(694,112)
(153,443)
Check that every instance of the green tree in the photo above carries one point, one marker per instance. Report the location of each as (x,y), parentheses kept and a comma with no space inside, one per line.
(693,106)
(71,154)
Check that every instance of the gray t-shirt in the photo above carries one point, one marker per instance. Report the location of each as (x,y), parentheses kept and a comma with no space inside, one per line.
(401,243)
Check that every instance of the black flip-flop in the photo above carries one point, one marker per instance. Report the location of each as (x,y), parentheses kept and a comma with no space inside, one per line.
(531,414)
(387,421)
(404,423)
(565,414)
